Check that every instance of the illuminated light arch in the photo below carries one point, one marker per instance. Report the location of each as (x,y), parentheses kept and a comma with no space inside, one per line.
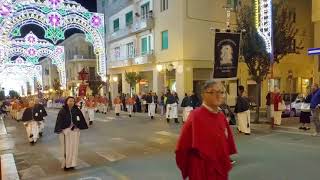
(263,21)
(55,17)
(31,48)
(22,68)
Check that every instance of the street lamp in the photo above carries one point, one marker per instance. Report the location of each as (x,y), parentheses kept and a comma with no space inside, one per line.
(115,79)
(159,67)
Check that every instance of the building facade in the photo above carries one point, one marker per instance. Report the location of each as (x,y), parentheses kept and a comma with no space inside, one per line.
(173,46)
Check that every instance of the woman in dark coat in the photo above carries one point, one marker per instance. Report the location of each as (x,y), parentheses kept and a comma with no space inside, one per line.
(305,114)
(69,122)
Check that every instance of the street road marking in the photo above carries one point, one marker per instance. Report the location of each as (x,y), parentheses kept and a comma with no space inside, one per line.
(3,130)
(290,132)
(90,178)
(166,133)
(111,155)
(103,120)
(159,140)
(8,168)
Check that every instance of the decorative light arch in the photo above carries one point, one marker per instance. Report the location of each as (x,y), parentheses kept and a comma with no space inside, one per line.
(55,17)
(31,48)
(22,68)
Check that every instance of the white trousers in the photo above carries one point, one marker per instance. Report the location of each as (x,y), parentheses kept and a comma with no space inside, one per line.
(244,121)
(117,108)
(172,111)
(91,114)
(130,109)
(41,126)
(186,112)
(69,141)
(277,117)
(151,109)
(32,128)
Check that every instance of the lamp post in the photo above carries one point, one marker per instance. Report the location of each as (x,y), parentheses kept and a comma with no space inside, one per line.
(290,78)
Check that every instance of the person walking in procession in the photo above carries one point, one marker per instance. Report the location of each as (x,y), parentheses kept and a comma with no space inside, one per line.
(30,123)
(69,122)
(91,106)
(40,113)
(206,140)
(152,100)
(172,107)
(243,112)
(306,112)
(315,108)
(186,104)
(117,105)
(130,103)
(278,106)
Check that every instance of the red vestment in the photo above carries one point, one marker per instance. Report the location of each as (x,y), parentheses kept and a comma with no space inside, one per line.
(205,145)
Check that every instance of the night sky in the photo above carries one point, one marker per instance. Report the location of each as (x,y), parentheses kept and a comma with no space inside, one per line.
(91,5)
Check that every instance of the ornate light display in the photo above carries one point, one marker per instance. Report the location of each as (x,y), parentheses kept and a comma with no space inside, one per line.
(31,48)
(54,17)
(263,13)
(21,68)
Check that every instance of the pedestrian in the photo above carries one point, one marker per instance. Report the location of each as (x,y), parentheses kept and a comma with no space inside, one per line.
(172,107)
(39,115)
(206,140)
(278,106)
(117,105)
(186,104)
(305,113)
(104,103)
(243,112)
(268,105)
(152,100)
(69,122)
(195,101)
(161,104)
(138,103)
(30,123)
(91,106)
(130,103)
(315,108)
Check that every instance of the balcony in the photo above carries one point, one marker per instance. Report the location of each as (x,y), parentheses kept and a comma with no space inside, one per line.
(138,59)
(139,25)
(77,58)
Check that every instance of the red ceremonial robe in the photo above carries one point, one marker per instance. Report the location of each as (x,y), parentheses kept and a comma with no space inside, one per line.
(205,145)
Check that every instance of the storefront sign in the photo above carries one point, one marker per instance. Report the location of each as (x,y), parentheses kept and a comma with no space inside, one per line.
(226,55)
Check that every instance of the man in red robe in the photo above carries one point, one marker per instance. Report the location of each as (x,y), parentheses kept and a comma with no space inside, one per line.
(206,141)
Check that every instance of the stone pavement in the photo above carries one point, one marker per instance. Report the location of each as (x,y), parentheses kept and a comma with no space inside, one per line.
(142,149)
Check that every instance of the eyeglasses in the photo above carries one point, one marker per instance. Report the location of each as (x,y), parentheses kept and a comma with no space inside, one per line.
(220,93)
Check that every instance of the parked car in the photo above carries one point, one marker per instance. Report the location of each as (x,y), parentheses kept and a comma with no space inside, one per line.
(293,109)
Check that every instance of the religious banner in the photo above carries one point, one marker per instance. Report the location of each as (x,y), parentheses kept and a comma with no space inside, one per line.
(82,90)
(226,55)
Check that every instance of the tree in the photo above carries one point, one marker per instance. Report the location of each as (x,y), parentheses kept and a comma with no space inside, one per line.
(253,47)
(132,78)
(95,85)
(13,94)
(57,86)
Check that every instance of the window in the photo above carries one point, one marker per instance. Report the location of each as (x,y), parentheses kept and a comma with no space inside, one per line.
(116,25)
(129,18)
(163,5)
(144,46)
(145,8)
(165,43)
(117,53)
(130,50)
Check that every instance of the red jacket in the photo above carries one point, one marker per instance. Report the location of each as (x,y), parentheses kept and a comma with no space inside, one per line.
(276,100)
(205,145)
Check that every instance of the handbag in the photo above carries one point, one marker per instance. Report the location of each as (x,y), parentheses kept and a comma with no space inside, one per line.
(305,107)
(281,106)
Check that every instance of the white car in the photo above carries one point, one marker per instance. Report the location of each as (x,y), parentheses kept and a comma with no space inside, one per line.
(295,108)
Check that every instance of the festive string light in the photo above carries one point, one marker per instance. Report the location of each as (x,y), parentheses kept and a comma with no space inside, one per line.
(31,48)
(55,17)
(263,15)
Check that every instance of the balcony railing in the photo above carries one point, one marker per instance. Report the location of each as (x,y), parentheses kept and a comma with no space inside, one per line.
(139,25)
(142,58)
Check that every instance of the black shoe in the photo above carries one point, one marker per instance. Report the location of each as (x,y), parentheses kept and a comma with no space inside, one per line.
(151,117)
(90,122)
(301,127)
(129,115)
(32,143)
(176,120)
(248,134)
(31,136)
(68,169)
(306,128)
(117,114)
(97,111)
(40,134)
(168,120)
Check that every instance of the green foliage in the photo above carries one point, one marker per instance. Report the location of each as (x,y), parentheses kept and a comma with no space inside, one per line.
(13,94)
(132,78)
(96,85)
(57,86)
